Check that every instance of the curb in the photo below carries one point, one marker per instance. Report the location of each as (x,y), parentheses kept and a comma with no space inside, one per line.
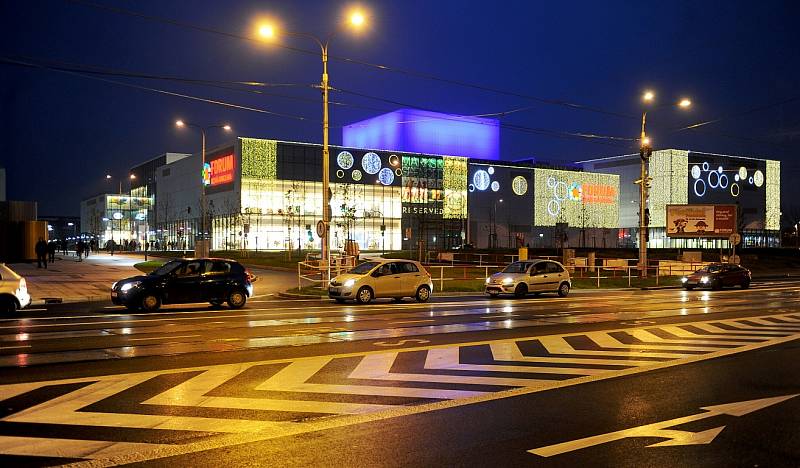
(298,297)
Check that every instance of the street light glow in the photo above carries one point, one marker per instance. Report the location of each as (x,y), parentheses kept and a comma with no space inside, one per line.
(648,96)
(108,176)
(646,141)
(685,103)
(357,18)
(266,31)
(179,123)
(226,127)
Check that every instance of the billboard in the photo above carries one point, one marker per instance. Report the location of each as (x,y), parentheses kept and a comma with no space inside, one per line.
(219,171)
(701,220)
(579,199)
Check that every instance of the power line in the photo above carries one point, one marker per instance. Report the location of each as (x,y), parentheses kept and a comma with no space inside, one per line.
(404,71)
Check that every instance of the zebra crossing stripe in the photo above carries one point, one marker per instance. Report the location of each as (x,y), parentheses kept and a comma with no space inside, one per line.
(279,397)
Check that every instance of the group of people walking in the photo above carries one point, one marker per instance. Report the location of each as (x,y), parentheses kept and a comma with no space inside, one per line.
(46,251)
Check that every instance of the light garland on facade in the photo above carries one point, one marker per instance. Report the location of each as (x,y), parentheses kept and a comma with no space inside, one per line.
(773,205)
(580,199)
(259,159)
(454,181)
(670,186)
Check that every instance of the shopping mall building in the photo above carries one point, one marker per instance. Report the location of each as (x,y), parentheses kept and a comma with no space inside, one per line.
(433,179)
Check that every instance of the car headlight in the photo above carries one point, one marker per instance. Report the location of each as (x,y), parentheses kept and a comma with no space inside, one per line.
(488,280)
(349,283)
(684,279)
(128,286)
(704,279)
(507,280)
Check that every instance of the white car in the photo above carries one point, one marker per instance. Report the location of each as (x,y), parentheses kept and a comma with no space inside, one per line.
(13,291)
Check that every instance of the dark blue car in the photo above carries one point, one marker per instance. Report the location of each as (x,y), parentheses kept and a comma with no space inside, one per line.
(185,281)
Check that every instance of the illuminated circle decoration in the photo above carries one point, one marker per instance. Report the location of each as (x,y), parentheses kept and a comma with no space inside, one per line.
(394,160)
(481,180)
(575,192)
(207,174)
(560,191)
(742,173)
(551,182)
(723,181)
(699,183)
(519,185)
(719,169)
(734,185)
(490,170)
(758,178)
(736,177)
(495,186)
(714,184)
(750,180)
(695,171)
(356,175)
(371,163)
(398,172)
(386,176)
(553,208)
(340,174)
(345,160)
(117,215)
(705,166)
(471,187)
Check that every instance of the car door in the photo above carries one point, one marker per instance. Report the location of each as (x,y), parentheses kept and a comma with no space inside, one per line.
(554,275)
(411,277)
(537,276)
(184,284)
(386,281)
(215,279)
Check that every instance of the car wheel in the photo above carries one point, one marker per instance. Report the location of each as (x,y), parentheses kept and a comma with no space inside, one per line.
(563,290)
(521,290)
(745,284)
(237,299)
(339,300)
(364,295)
(8,305)
(151,302)
(423,294)
(716,285)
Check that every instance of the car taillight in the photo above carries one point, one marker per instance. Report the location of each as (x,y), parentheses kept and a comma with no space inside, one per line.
(23,286)
(250,276)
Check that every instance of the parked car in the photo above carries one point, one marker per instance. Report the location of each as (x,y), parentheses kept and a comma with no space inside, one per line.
(13,291)
(382,278)
(718,276)
(184,281)
(530,276)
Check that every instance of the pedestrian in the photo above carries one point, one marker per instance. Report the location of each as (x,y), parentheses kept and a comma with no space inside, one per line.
(87,247)
(79,250)
(64,246)
(51,250)
(41,253)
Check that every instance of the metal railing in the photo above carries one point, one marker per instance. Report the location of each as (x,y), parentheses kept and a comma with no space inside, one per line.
(315,271)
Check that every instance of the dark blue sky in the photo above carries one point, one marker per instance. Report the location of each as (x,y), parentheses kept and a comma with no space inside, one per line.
(62,133)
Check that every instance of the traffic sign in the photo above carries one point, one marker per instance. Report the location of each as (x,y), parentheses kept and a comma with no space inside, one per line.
(735,238)
(321,228)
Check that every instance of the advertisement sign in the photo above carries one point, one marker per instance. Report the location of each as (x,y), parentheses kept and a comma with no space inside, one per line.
(219,171)
(701,220)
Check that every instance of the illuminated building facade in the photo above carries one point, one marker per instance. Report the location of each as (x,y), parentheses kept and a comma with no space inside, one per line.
(691,177)
(267,195)
(114,216)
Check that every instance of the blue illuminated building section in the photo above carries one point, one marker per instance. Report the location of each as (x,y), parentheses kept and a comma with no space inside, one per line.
(417,131)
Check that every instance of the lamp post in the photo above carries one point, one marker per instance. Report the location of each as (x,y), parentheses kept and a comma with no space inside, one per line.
(268,31)
(645,151)
(203,249)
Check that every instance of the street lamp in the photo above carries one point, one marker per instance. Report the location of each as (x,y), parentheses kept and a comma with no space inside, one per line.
(202,250)
(645,151)
(357,19)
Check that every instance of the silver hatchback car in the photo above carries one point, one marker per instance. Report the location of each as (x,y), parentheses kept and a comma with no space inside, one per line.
(530,276)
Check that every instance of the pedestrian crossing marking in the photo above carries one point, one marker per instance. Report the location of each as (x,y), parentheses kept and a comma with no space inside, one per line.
(278,397)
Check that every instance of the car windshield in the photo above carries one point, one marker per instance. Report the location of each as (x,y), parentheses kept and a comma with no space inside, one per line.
(166,268)
(517,267)
(364,268)
(711,269)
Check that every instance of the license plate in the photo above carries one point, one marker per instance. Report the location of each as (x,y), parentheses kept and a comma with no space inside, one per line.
(335,290)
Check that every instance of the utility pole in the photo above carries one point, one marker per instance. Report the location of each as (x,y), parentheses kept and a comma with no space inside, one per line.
(644,213)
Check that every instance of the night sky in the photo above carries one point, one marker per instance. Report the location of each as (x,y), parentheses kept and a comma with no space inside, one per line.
(739,61)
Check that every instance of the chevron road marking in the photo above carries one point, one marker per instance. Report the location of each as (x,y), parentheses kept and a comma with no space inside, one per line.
(266,399)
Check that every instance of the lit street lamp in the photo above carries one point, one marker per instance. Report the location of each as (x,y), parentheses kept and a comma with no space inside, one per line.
(202,250)
(268,31)
(645,151)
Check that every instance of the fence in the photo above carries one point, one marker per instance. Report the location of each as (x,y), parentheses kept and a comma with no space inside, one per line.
(315,271)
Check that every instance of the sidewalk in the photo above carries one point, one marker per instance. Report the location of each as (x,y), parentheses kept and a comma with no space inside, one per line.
(68,280)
